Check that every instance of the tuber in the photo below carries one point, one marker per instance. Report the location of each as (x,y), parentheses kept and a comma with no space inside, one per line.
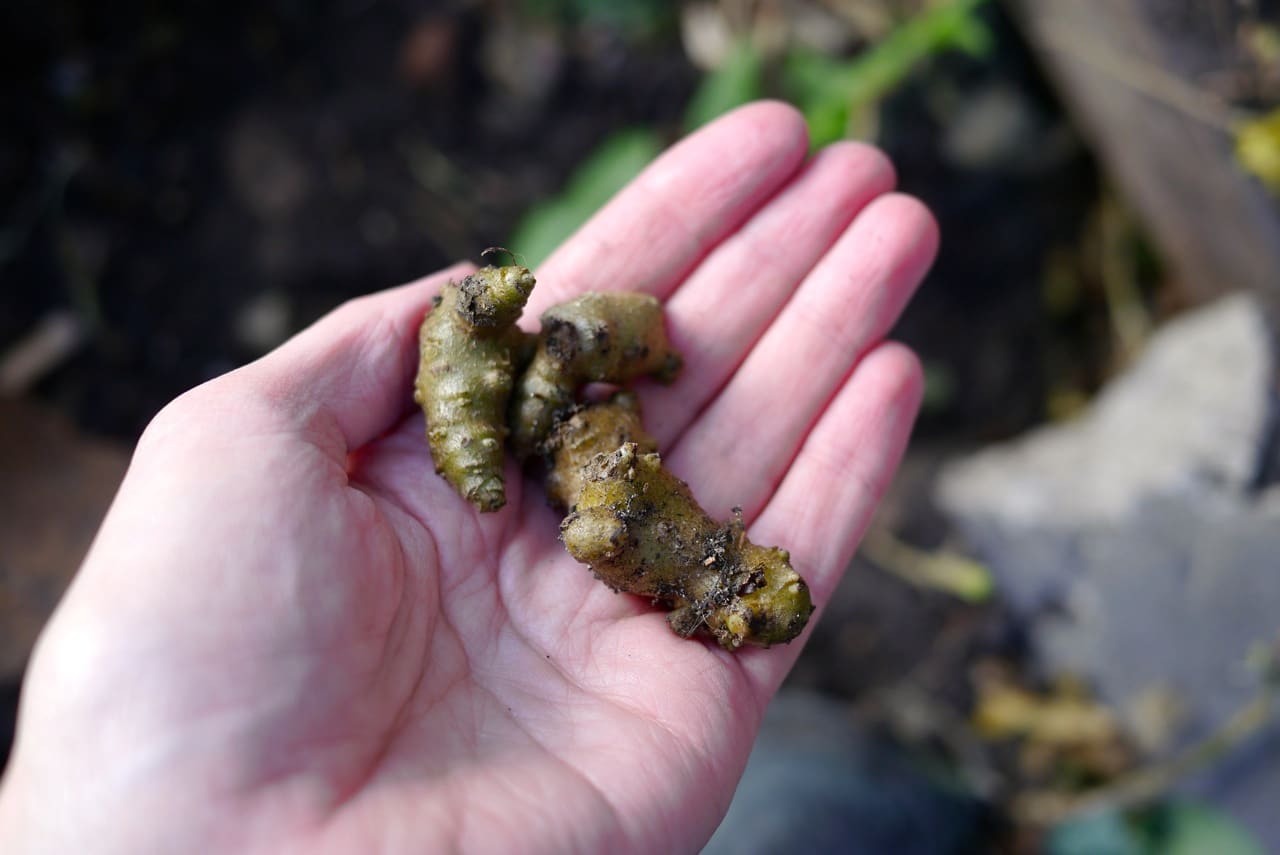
(631,521)
(582,433)
(470,351)
(640,530)
(612,338)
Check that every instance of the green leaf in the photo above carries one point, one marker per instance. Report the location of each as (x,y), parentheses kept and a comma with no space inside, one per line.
(1170,828)
(809,78)
(1195,829)
(827,89)
(828,121)
(739,79)
(605,171)
(1103,832)
(633,19)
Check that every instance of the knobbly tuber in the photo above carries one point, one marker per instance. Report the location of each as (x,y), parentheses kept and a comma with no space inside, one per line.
(583,432)
(640,530)
(470,352)
(634,524)
(610,338)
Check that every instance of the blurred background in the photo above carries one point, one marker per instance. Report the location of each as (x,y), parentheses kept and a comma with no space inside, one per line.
(1062,633)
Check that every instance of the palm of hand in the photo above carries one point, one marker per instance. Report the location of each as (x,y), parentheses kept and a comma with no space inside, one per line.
(392,669)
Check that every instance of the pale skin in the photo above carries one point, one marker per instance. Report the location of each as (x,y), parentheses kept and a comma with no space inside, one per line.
(291,635)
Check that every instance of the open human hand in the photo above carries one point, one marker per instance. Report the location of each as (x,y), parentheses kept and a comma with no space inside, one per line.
(291,635)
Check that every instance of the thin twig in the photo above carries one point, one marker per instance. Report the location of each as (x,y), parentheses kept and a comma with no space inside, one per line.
(1130,322)
(941,570)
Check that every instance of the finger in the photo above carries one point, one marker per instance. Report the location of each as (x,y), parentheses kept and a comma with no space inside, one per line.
(657,228)
(743,442)
(821,509)
(728,301)
(348,377)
